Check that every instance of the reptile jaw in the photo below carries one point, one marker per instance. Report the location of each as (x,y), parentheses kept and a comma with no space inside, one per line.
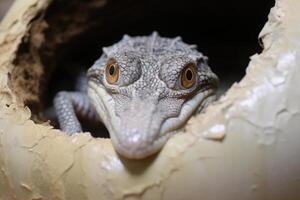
(139,131)
(187,110)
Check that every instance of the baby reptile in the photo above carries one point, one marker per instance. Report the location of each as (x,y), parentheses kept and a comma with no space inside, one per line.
(143,89)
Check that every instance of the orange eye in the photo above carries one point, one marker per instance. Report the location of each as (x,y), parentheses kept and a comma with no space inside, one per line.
(112,71)
(188,76)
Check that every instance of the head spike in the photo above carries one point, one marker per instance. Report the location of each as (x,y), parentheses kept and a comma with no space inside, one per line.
(152,40)
(173,42)
(126,37)
(105,50)
(178,38)
(154,34)
(193,46)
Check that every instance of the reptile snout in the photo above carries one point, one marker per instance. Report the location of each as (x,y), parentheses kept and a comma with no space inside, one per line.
(139,127)
(137,145)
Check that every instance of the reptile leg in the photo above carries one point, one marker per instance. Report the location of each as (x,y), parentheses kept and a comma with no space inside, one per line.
(67,105)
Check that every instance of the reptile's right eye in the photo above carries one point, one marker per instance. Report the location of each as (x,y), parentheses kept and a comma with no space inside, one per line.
(188,76)
(112,71)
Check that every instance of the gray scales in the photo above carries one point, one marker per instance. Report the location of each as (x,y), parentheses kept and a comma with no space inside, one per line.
(143,89)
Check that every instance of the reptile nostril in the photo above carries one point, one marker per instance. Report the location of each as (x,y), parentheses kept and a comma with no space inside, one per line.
(133,139)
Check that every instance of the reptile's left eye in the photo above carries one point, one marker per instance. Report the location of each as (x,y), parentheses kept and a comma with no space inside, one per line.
(188,76)
(112,71)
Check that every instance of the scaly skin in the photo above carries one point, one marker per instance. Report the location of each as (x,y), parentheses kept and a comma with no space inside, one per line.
(148,102)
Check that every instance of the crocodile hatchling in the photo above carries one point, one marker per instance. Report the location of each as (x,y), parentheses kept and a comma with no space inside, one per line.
(143,89)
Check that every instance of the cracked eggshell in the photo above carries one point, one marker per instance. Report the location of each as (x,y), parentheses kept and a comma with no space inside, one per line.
(246,145)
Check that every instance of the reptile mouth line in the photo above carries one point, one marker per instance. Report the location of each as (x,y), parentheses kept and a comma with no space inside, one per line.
(50,59)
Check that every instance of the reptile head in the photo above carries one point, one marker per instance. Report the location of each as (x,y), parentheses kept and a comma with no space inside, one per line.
(145,88)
